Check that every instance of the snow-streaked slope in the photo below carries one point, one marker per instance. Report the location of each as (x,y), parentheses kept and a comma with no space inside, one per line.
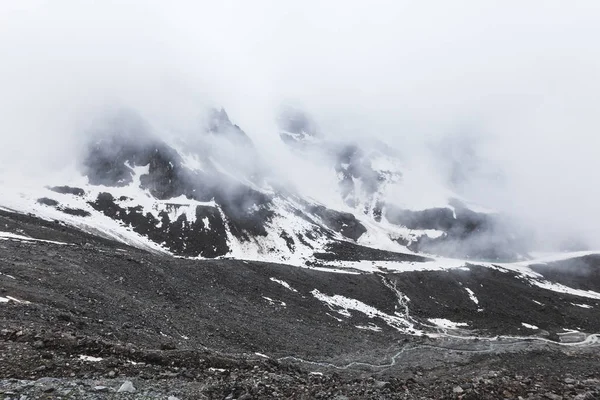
(24,197)
(344,306)
(213,196)
(521,269)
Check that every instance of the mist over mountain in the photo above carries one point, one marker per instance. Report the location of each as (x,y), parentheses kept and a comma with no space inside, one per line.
(313,200)
(494,105)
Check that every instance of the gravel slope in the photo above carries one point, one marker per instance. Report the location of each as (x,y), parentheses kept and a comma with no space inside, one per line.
(192,329)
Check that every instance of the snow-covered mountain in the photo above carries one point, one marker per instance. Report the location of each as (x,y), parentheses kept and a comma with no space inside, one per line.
(363,260)
(212,195)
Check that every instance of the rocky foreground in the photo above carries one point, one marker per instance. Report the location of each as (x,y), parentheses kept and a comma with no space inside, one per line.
(37,365)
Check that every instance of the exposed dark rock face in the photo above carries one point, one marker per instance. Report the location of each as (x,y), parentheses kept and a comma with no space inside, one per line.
(205,237)
(466,233)
(344,223)
(354,162)
(76,212)
(67,210)
(289,241)
(127,144)
(122,142)
(247,210)
(221,125)
(432,218)
(165,179)
(346,251)
(47,202)
(578,273)
(68,190)
(358,181)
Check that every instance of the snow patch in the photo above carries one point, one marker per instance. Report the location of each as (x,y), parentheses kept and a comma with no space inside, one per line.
(90,358)
(342,305)
(446,323)
(274,247)
(274,302)
(23,197)
(336,318)
(370,327)
(529,326)
(436,264)
(26,239)
(284,284)
(582,305)
(13,299)
(472,296)
(7,275)
(559,288)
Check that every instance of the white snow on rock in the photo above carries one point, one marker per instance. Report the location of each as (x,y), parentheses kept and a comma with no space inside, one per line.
(284,284)
(559,288)
(25,239)
(446,323)
(334,270)
(7,275)
(22,198)
(472,296)
(436,264)
(582,305)
(529,326)
(521,268)
(334,317)
(13,299)
(273,247)
(343,305)
(370,327)
(90,358)
(444,264)
(21,195)
(383,235)
(191,161)
(274,302)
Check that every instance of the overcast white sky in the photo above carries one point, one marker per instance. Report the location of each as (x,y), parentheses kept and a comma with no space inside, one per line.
(523,76)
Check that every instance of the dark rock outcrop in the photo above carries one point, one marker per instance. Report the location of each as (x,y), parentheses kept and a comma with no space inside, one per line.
(466,234)
(344,223)
(206,236)
(75,191)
